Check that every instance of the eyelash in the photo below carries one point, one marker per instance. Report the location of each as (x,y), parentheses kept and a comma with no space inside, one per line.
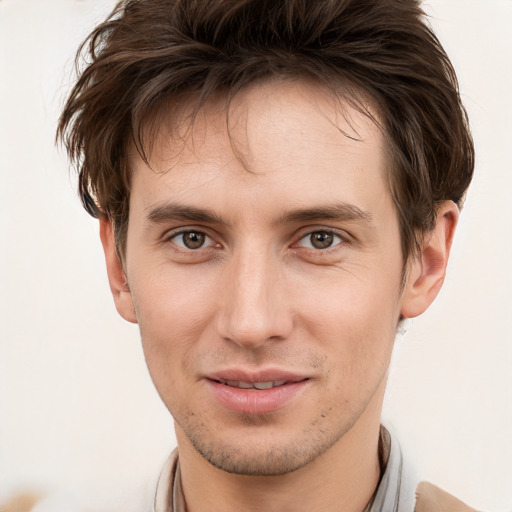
(342,240)
(181,247)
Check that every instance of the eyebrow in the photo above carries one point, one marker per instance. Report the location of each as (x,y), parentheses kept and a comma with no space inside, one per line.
(173,211)
(338,211)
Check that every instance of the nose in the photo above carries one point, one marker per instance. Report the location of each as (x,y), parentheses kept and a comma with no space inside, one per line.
(255,306)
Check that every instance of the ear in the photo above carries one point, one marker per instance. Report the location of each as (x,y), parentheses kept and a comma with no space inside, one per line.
(426,272)
(116,276)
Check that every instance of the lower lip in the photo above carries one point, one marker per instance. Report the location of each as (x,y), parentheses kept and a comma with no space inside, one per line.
(256,401)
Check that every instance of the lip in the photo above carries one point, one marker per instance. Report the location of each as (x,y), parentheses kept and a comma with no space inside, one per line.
(255,401)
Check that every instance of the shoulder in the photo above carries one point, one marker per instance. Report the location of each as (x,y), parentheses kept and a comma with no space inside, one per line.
(430,498)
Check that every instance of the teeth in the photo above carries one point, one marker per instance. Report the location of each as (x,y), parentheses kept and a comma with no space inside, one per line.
(263,385)
(253,385)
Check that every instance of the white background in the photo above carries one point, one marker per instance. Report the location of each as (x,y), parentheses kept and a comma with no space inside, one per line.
(79,418)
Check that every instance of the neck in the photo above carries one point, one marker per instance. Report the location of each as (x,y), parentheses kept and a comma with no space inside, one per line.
(342,479)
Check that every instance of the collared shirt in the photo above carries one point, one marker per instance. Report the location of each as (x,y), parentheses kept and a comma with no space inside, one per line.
(395,492)
(397,487)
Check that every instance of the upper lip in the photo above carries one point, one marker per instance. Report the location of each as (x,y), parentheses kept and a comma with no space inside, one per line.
(264,375)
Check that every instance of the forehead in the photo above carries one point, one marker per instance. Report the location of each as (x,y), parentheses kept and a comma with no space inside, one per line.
(276,141)
(277,105)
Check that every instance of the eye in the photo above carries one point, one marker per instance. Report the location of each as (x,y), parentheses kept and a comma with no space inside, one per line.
(191,239)
(320,240)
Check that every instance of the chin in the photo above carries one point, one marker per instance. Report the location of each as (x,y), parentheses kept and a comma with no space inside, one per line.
(270,462)
(269,455)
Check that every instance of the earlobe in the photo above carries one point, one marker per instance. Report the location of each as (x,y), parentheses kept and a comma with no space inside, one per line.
(116,275)
(426,271)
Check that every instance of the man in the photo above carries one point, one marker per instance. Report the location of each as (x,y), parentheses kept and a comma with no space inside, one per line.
(278,185)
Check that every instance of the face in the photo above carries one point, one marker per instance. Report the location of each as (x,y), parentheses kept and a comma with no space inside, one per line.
(264,270)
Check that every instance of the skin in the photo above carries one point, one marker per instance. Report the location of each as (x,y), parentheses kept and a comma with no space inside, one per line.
(253,291)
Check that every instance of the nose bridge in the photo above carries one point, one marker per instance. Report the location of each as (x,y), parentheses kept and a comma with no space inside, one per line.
(253,307)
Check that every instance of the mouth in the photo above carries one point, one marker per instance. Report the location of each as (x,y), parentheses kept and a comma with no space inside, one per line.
(252,385)
(256,393)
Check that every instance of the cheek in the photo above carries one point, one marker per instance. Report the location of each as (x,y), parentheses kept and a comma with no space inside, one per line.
(348,301)
(169,301)
(354,319)
(172,314)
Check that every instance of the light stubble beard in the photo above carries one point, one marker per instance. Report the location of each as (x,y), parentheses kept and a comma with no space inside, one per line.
(256,460)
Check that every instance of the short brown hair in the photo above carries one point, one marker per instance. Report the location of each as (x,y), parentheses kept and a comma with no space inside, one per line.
(150,51)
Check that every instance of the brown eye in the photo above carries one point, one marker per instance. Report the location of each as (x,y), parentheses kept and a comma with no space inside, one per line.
(320,240)
(190,239)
